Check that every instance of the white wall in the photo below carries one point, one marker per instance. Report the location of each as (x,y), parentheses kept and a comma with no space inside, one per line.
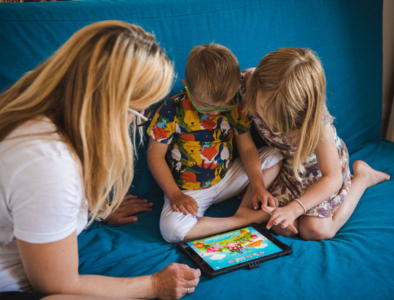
(388,69)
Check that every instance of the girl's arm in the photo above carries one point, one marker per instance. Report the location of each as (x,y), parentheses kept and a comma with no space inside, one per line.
(330,167)
(252,164)
(52,268)
(330,182)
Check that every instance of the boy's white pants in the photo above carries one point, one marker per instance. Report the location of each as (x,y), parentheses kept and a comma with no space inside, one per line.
(175,225)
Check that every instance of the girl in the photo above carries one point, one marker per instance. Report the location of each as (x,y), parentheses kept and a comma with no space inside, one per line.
(64,146)
(286,97)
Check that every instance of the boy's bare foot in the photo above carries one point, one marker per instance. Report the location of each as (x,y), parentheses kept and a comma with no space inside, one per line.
(252,216)
(371,176)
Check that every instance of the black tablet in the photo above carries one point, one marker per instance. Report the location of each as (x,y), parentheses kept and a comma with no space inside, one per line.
(236,249)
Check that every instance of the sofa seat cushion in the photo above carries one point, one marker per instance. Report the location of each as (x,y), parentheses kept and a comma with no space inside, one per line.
(357,263)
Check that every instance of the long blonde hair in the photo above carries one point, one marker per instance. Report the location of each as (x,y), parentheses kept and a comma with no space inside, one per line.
(86,88)
(294,84)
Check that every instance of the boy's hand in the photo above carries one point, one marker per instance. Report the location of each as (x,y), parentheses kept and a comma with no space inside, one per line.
(184,203)
(260,194)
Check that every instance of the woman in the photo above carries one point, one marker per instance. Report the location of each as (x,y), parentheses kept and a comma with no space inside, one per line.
(64,146)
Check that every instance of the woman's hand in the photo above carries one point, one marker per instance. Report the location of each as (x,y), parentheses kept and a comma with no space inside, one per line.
(130,206)
(175,281)
(260,194)
(284,215)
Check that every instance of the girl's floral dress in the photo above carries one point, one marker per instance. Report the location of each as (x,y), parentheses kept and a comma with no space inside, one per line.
(286,187)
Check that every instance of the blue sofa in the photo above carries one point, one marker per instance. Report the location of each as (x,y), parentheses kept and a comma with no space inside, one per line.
(347,35)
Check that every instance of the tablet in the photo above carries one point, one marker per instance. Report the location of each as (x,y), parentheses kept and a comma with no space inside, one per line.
(246,247)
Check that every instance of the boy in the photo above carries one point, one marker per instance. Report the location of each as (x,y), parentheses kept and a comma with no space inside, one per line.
(191,146)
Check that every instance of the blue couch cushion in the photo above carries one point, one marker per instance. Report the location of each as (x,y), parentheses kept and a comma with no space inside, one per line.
(347,35)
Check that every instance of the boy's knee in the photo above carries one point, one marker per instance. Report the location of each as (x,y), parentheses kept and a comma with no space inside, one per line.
(274,168)
(175,226)
(315,233)
(168,229)
(270,158)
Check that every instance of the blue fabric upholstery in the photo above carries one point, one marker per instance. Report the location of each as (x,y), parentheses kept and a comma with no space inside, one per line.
(347,35)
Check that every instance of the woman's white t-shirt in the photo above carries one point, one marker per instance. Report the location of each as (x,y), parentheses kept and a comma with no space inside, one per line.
(41,197)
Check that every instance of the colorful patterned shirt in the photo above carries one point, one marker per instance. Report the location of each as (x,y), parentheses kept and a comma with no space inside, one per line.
(200,149)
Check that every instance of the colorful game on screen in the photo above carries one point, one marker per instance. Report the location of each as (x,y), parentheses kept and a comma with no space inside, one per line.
(234,247)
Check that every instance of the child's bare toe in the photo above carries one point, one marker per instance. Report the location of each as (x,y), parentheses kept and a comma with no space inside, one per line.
(372,176)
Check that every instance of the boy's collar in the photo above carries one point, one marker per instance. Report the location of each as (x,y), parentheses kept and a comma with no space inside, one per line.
(187,93)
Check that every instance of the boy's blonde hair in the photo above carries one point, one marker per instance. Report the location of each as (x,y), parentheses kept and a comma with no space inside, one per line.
(86,88)
(212,72)
(294,84)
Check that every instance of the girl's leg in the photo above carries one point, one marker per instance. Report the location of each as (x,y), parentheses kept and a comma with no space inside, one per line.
(245,214)
(315,228)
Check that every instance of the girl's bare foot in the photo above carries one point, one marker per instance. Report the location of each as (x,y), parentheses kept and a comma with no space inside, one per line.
(371,176)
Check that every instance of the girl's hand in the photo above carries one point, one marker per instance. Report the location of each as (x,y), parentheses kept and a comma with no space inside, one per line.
(284,215)
(130,206)
(260,194)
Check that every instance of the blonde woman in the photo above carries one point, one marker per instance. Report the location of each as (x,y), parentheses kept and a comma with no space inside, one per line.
(64,146)
(286,97)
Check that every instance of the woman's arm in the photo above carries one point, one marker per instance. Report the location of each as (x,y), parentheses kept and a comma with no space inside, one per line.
(252,164)
(52,268)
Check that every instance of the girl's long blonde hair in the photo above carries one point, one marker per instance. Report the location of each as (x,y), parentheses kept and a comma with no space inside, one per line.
(293,82)
(86,88)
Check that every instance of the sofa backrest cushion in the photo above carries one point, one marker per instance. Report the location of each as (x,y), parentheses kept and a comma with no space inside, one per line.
(347,35)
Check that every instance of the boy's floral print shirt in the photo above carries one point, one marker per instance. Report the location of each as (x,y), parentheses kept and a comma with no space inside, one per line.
(200,149)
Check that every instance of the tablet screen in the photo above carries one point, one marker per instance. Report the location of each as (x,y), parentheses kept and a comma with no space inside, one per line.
(233,247)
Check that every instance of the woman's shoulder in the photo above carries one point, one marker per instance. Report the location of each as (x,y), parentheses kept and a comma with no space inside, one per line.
(33,129)
(32,141)
(38,132)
